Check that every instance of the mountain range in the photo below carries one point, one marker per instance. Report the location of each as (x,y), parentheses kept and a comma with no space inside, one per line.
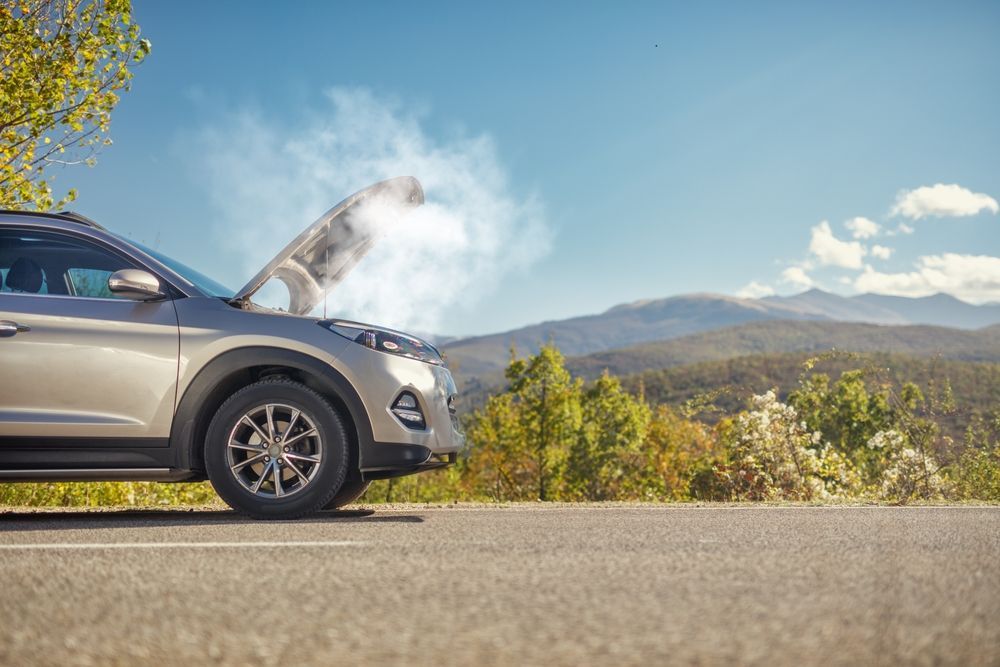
(779,336)
(658,320)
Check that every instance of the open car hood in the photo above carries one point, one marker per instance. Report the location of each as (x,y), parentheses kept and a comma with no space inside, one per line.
(320,257)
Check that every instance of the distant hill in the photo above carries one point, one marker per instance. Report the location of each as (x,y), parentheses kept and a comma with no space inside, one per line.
(824,305)
(618,327)
(977,383)
(791,336)
(799,339)
(940,309)
(664,319)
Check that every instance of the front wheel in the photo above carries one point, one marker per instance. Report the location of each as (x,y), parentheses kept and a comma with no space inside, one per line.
(276,449)
(349,492)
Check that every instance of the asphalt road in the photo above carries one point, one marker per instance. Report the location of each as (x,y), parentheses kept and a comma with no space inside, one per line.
(506,586)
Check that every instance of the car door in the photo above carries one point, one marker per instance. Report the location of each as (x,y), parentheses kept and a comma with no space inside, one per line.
(80,367)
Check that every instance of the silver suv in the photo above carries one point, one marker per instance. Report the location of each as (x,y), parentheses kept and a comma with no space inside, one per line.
(118,363)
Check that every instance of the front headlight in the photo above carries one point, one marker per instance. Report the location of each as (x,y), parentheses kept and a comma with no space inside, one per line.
(383,340)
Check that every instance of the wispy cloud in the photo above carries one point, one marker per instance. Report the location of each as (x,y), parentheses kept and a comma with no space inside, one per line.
(974,278)
(942,201)
(831,251)
(269,179)
(901,229)
(797,277)
(881,252)
(862,228)
(754,290)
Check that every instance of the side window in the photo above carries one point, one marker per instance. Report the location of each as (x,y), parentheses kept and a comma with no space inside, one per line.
(89,282)
(54,263)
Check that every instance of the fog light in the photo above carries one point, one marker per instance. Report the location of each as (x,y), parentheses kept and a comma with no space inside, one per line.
(408,411)
(406,401)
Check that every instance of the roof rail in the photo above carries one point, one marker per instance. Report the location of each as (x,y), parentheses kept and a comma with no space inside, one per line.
(65,216)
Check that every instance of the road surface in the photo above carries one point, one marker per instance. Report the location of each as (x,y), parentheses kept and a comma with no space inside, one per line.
(533,584)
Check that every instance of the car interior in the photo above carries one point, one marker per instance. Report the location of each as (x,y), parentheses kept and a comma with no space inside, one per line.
(39,264)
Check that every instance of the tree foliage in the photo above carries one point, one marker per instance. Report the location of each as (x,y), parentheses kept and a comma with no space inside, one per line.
(684,455)
(525,432)
(977,473)
(63,65)
(607,458)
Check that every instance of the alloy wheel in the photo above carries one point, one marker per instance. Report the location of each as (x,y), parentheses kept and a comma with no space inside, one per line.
(274,450)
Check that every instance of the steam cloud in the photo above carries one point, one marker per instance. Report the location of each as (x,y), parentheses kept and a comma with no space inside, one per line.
(268,181)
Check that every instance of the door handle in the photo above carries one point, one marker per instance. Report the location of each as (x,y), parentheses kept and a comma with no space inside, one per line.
(8,328)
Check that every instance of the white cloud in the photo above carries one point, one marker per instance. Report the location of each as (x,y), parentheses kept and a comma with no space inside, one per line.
(974,278)
(796,277)
(862,228)
(268,179)
(942,201)
(754,290)
(830,250)
(881,252)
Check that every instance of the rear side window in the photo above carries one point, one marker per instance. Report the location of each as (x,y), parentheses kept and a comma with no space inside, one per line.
(53,263)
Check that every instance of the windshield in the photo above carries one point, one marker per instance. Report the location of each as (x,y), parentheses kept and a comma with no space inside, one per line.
(199,280)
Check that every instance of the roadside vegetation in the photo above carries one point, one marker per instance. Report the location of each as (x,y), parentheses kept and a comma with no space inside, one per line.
(862,435)
(975,385)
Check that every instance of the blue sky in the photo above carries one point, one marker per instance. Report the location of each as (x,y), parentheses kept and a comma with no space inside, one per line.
(657,148)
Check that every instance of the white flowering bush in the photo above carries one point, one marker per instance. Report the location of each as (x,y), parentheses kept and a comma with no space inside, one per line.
(772,455)
(908,473)
(887,441)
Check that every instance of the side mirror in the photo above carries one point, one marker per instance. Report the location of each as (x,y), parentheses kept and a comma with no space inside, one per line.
(135,284)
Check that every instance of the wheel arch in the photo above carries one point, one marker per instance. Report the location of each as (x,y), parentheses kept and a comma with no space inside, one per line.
(237,368)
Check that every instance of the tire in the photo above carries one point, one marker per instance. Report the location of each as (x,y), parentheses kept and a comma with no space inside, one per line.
(254,469)
(349,492)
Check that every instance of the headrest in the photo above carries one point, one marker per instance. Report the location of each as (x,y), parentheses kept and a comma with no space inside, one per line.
(24,276)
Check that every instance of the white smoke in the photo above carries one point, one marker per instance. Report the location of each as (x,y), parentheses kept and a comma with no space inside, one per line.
(269,180)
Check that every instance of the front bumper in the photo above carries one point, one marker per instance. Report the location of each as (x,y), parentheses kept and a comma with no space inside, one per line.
(395,448)
(385,460)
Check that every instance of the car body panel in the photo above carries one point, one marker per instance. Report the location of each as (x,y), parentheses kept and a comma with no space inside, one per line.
(79,371)
(382,377)
(210,327)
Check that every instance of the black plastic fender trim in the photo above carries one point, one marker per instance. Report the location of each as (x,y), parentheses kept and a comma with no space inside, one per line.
(229,371)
